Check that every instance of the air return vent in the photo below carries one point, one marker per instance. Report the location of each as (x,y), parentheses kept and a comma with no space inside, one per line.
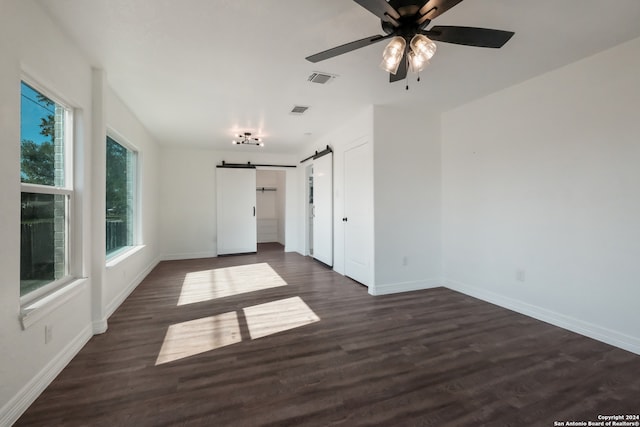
(299,109)
(321,78)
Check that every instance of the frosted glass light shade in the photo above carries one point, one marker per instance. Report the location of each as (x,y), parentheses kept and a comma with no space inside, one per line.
(417,63)
(393,54)
(422,46)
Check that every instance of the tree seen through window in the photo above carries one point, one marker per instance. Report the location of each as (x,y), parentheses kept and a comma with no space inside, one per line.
(120,186)
(44,195)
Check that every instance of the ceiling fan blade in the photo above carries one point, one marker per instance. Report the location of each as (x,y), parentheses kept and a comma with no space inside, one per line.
(469,36)
(347,47)
(401,74)
(381,9)
(434,8)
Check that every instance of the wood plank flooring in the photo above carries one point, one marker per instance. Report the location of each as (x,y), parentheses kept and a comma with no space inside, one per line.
(427,358)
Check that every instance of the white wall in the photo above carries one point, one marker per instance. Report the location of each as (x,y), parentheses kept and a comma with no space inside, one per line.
(356,129)
(407,182)
(188,198)
(122,277)
(281,205)
(544,178)
(31,43)
(405,195)
(27,364)
(292,222)
(187,203)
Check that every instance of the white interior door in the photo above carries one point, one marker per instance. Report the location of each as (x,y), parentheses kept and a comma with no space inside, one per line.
(236,200)
(358,217)
(322,209)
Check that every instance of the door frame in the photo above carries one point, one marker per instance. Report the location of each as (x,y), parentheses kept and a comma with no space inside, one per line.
(308,173)
(290,198)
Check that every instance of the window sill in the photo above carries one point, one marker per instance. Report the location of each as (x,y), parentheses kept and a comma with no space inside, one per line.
(122,255)
(31,312)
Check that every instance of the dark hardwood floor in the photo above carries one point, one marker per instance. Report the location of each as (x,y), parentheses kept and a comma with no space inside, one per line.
(181,352)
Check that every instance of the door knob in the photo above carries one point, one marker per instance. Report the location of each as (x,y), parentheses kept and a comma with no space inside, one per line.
(344,219)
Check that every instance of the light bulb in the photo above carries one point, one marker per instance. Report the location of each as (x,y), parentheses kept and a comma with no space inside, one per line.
(417,63)
(422,46)
(393,54)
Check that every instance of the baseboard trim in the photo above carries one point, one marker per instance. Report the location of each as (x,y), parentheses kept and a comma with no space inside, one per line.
(13,409)
(189,255)
(99,326)
(396,288)
(124,294)
(581,327)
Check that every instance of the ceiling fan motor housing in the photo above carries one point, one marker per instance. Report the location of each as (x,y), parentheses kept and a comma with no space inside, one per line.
(407,9)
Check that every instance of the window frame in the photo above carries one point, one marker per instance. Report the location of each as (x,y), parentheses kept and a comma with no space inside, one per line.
(117,255)
(67,190)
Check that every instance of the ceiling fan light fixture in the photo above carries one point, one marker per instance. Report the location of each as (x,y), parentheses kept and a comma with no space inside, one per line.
(405,22)
(422,46)
(393,54)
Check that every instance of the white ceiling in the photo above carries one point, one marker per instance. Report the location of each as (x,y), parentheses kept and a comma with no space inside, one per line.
(196,72)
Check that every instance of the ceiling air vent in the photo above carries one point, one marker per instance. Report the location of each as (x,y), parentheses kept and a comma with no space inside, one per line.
(299,109)
(321,78)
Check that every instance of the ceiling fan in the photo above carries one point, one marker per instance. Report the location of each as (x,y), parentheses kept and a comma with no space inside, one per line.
(411,46)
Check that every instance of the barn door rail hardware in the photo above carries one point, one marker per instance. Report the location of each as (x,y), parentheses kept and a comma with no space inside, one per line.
(317,154)
(250,165)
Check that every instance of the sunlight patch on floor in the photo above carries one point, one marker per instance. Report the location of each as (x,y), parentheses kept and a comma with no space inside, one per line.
(208,285)
(198,336)
(277,316)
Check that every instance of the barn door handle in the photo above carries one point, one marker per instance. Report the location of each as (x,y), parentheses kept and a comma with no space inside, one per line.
(254,211)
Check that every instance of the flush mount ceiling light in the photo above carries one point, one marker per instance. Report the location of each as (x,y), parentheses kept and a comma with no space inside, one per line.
(405,23)
(247,139)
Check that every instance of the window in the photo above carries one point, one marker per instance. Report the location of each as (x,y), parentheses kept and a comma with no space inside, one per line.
(121,197)
(47,192)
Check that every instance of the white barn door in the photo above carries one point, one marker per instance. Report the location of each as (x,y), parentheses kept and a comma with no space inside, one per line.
(236,210)
(322,209)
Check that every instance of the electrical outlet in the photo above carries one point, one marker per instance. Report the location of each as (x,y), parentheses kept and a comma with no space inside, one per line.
(520,275)
(48,334)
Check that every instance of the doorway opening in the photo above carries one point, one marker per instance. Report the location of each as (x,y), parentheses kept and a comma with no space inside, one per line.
(270,209)
(309,209)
